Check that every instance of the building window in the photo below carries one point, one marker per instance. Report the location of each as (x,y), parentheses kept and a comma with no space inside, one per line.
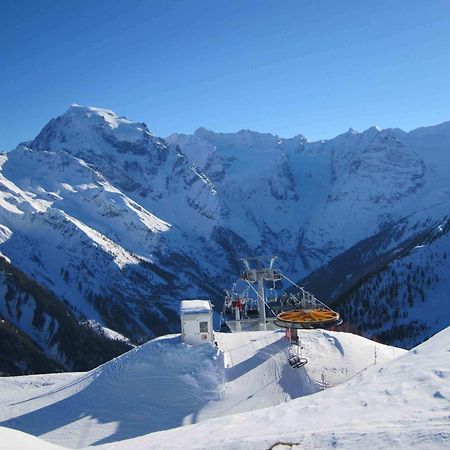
(203,327)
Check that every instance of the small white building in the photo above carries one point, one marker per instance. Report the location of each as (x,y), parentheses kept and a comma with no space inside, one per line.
(196,321)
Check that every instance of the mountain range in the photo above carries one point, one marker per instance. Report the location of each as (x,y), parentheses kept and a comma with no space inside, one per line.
(113,226)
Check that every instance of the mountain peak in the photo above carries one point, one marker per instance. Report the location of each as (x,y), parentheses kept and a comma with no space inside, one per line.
(109,118)
(89,112)
(375,128)
(201,130)
(87,127)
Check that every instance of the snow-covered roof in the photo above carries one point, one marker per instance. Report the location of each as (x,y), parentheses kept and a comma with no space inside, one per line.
(195,306)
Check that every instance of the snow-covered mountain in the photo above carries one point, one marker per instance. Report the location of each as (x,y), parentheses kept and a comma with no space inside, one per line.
(327,195)
(404,299)
(122,224)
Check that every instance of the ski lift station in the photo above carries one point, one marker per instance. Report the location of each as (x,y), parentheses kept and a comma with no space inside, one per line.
(242,313)
(196,321)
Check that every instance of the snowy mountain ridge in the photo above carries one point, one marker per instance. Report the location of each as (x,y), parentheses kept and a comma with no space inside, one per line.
(122,224)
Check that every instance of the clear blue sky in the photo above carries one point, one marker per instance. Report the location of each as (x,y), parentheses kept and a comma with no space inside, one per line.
(315,67)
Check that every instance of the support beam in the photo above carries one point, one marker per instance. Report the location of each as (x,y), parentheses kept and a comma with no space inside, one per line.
(261,299)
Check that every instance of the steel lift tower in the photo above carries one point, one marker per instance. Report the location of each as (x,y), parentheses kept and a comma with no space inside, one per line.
(259,269)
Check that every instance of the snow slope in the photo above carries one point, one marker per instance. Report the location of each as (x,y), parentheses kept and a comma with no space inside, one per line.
(68,228)
(165,384)
(401,404)
(16,440)
(38,330)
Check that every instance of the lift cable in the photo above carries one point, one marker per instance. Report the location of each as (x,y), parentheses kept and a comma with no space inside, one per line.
(304,291)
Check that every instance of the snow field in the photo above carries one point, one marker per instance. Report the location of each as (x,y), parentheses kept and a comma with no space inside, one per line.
(405,403)
(166,384)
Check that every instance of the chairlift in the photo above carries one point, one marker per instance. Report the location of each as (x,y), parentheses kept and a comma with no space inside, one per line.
(295,361)
(272,296)
(251,308)
(227,301)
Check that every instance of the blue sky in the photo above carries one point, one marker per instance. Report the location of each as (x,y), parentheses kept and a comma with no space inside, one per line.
(286,67)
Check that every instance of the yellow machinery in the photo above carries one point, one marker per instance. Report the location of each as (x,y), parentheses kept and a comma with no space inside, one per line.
(303,310)
(308,318)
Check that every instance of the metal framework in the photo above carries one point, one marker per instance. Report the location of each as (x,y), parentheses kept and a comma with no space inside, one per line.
(256,272)
(293,310)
